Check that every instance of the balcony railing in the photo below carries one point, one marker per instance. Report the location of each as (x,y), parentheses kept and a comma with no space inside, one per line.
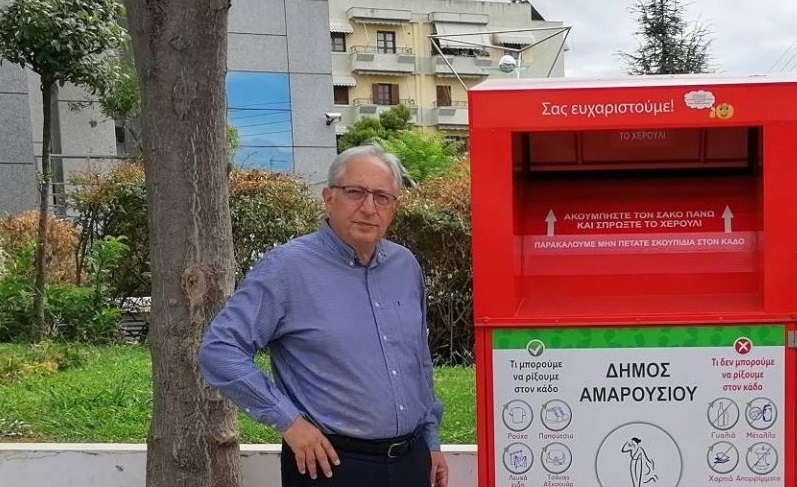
(369,59)
(453,104)
(365,107)
(374,50)
(450,116)
(407,102)
(465,66)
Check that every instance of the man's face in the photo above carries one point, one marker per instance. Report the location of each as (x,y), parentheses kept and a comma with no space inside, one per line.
(361,224)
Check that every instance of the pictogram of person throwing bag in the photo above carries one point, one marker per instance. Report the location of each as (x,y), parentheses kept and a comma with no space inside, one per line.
(643,468)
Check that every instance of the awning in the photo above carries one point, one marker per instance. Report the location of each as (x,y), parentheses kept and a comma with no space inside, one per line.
(343,81)
(522,38)
(340,26)
(462,36)
(385,16)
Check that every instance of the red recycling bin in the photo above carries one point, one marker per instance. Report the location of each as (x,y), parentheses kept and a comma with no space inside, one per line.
(635,281)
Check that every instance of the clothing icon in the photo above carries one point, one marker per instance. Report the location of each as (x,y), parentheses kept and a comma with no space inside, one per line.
(556,458)
(722,457)
(642,466)
(761,413)
(517,415)
(555,415)
(723,413)
(518,458)
(762,458)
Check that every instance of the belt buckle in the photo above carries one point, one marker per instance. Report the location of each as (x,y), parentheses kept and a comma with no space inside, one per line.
(398,445)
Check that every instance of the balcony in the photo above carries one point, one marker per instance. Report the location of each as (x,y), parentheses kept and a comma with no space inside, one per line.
(365,107)
(452,117)
(366,60)
(464,66)
(385,16)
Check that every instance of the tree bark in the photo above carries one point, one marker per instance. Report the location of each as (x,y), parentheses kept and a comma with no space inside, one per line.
(180,48)
(48,88)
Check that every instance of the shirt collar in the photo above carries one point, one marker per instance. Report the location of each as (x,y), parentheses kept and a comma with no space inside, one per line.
(347,253)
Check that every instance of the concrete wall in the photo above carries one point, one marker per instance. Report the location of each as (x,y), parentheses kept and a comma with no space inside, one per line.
(120,465)
(278,37)
(291,37)
(311,88)
(17,165)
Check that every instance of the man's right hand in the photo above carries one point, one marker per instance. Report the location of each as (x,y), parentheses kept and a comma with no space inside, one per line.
(311,448)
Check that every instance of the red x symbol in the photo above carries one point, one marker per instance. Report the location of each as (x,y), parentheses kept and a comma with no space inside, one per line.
(743,345)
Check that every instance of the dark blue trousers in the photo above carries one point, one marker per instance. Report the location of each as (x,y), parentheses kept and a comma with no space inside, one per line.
(358,470)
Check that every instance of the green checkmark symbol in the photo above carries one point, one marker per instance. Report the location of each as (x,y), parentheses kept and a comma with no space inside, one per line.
(535,348)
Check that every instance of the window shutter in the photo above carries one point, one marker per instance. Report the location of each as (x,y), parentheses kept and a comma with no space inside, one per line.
(375,93)
(394,94)
(444,96)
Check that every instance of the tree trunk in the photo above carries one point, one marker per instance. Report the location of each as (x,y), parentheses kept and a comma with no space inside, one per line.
(180,48)
(48,88)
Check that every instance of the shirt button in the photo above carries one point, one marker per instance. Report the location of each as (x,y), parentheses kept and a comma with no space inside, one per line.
(394,372)
(384,337)
(247,410)
(376,304)
(274,425)
(401,407)
(351,263)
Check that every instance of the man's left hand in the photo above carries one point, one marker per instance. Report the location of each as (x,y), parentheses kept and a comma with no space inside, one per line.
(439,474)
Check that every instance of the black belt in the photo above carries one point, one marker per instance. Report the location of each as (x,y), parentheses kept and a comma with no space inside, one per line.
(388,447)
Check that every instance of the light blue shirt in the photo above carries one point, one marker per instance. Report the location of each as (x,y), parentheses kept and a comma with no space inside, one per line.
(347,342)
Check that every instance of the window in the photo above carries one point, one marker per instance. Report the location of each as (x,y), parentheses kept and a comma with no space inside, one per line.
(444,96)
(338,42)
(385,42)
(121,134)
(386,94)
(259,107)
(341,95)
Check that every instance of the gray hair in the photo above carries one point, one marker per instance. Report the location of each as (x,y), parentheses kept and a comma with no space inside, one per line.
(389,160)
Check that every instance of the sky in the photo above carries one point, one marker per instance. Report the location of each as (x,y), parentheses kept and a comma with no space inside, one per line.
(749,37)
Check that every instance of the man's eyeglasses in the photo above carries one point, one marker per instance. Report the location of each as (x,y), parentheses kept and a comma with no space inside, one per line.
(358,194)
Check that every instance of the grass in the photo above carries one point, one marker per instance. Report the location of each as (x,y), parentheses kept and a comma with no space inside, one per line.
(85,394)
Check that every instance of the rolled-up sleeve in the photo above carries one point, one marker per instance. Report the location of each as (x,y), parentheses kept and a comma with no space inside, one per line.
(246,324)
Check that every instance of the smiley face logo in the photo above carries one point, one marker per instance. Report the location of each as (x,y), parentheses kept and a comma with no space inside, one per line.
(723,111)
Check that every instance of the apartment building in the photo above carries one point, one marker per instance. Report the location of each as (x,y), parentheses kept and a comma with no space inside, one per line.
(382,55)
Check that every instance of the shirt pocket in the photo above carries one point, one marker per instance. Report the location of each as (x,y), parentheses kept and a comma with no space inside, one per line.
(410,317)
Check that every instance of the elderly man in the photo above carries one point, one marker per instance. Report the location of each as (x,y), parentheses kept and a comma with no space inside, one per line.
(342,312)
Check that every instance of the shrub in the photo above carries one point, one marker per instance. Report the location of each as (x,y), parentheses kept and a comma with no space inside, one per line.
(424,155)
(434,222)
(16,309)
(115,204)
(76,313)
(62,237)
(89,313)
(371,129)
(267,209)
